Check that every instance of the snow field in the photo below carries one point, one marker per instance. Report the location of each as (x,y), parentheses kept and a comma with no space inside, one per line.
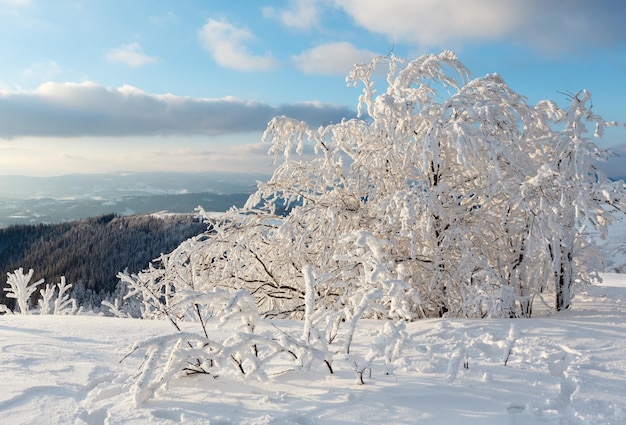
(568,368)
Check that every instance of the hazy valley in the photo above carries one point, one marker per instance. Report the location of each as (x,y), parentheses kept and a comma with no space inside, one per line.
(33,200)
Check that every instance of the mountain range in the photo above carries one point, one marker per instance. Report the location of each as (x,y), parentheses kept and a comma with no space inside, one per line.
(34,200)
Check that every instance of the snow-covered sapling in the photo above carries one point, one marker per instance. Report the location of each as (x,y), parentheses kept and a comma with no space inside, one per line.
(363,304)
(387,345)
(56,300)
(63,304)
(454,364)
(45,301)
(20,288)
(115,308)
(360,370)
(509,342)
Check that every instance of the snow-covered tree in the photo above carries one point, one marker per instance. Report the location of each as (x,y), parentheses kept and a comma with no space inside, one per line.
(447,196)
(451,174)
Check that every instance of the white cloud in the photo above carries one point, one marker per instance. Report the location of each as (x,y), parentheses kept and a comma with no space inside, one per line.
(130,54)
(42,71)
(162,21)
(332,58)
(45,156)
(228,46)
(17,3)
(223,156)
(552,26)
(544,25)
(88,109)
(434,21)
(301,14)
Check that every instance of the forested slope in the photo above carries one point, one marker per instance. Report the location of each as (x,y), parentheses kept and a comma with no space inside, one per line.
(90,252)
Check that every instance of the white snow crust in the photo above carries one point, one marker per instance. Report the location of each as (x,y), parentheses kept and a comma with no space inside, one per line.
(568,368)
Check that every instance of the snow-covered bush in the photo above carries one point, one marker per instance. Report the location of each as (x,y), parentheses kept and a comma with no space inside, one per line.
(21,288)
(57,300)
(386,346)
(53,299)
(244,351)
(447,197)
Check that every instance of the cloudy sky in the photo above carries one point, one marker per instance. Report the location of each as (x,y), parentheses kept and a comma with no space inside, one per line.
(111,85)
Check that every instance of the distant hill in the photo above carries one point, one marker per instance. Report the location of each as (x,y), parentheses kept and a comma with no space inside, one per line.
(90,252)
(49,210)
(124,184)
(34,200)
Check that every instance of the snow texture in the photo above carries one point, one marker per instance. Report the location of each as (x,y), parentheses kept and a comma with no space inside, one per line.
(567,368)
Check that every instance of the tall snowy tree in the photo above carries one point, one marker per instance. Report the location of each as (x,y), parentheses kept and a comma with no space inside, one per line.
(447,196)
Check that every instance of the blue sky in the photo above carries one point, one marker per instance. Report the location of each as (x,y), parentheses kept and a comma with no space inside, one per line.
(188,85)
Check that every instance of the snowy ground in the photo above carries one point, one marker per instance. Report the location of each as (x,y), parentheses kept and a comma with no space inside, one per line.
(67,370)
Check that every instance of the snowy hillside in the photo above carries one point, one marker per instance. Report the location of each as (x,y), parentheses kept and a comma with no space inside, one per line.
(569,368)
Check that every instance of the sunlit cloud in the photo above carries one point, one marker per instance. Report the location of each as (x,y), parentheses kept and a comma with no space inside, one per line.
(42,71)
(16,3)
(250,158)
(332,58)
(57,156)
(227,44)
(542,24)
(88,109)
(434,21)
(301,14)
(130,54)
(163,21)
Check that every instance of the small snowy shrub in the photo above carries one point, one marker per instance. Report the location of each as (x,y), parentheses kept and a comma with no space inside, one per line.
(386,346)
(21,288)
(509,343)
(454,365)
(244,352)
(53,299)
(56,299)
(114,308)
